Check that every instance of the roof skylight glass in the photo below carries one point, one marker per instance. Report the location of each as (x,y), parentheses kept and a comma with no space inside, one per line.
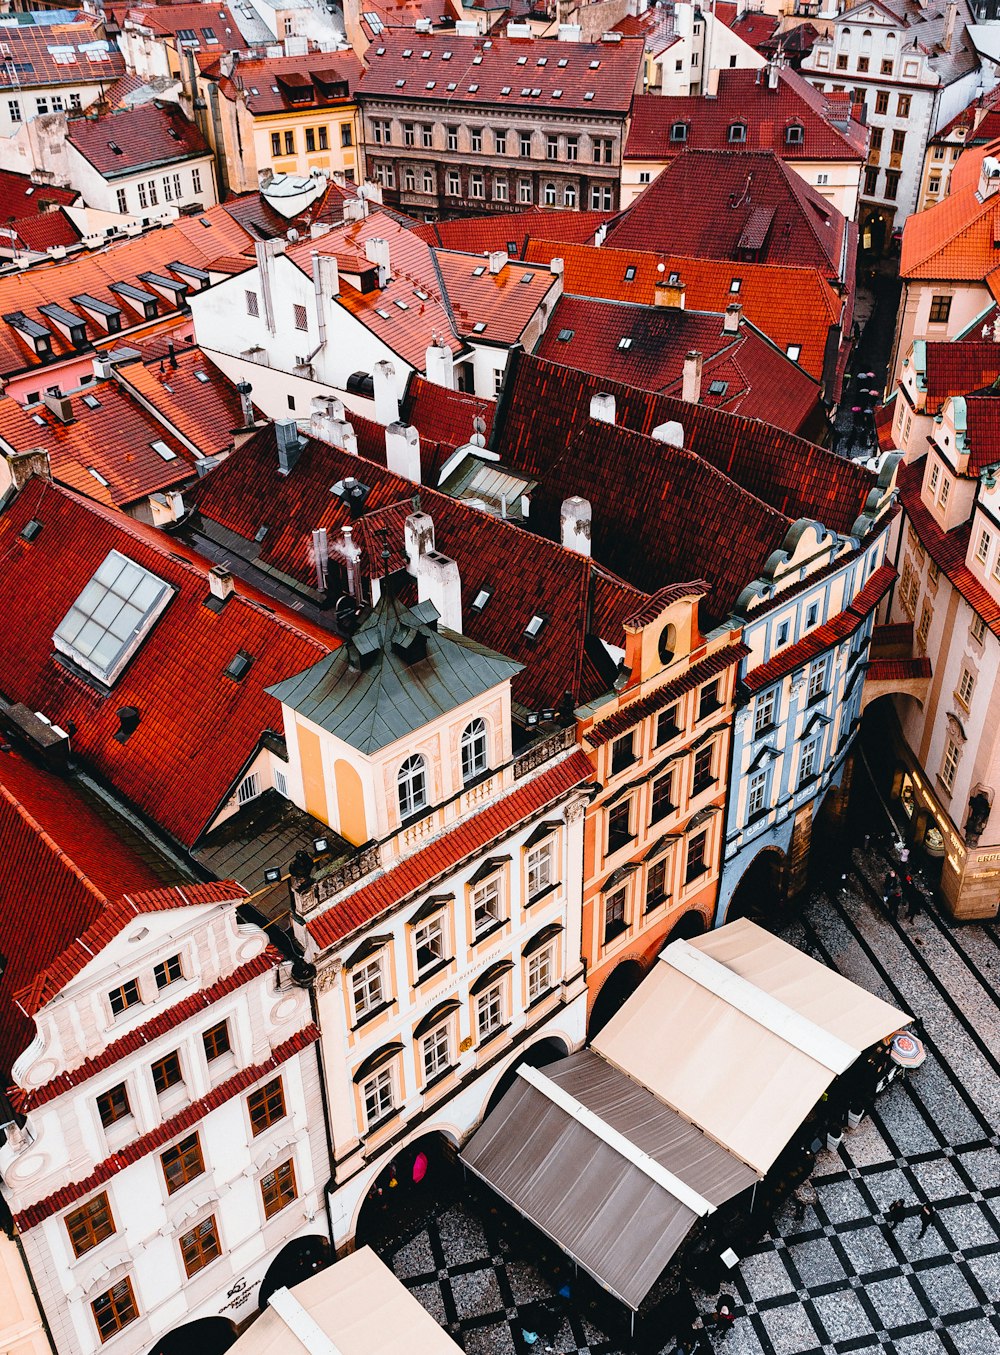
(534,626)
(161,449)
(111,617)
(481,599)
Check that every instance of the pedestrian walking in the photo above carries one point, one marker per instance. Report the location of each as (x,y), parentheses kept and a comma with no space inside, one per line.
(895,899)
(895,1214)
(926,1217)
(724,1317)
(887,884)
(914,897)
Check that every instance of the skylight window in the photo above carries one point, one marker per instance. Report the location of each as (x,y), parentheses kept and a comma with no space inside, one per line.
(522,61)
(111,617)
(477,61)
(630,273)
(478,272)
(565,335)
(505,89)
(407,51)
(718,388)
(430,84)
(563,61)
(793,350)
(97,476)
(202,377)
(479,327)
(534,626)
(625,344)
(384,314)
(445,56)
(595,65)
(43,423)
(425,55)
(481,599)
(403,305)
(542,61)
(527,277)
(557,94)
(736,284)
(239,665)
(589,95)
(260,533)
(535,93)
(92,402)
(525,92)
(400,84)
(473,89)
(31,529)
(161,449)
(421,294)
(452,86)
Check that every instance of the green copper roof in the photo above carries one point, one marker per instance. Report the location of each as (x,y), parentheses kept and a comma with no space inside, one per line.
(394,675)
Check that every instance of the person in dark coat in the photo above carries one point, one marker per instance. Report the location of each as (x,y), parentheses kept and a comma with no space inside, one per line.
(914,897)
(926,1217)
(895,1214)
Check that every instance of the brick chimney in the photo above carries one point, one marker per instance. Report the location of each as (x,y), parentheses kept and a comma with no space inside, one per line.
(23,465)
(220,582)
(669,293)
(691,381)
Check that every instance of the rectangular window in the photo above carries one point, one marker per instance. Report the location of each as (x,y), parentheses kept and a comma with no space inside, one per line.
(378,1097)
(182,1163)
(487,905)
(115,1309)
(614,915)
(539,867)
(121,197)
(703,777)
(966,687)
(166,1072)
(763,718)
(277,1188)
(662,803)
(41,107)
(427,137)
(347,134)
(300,316)
(925,625)
(275,143)
(891,184)
(622,753)
(113,1105)
(311,139)
(945,491)
(540,973)
(885,67)
(476,189)
(978,629)
(983,548)
(90,1224)
(451,138)
(266,1106)
(153,196)
(367,988)
(476,140)
(871,182)
(289,143)
(324,139)
(14,109)
(757,794)
(882,101)
(200,1246)
(603,150)
(841,61)
(619,825)
(708,699)
(168,972)
(600,198)
(143,199)
(903,105)
(876,140)
(525,143)
(435,1052)
(124,997)
(863,63)
(940,310)
(656,885)
(253,307)
(667,726)
(572,148)
(489,1013)
(935,476)
(409,134)
(950,764)
(817,679)
(524,190)
(216,1041)
(696,863)
(898,142)
(428,939)
(168,191)
(453,184)
(552,148)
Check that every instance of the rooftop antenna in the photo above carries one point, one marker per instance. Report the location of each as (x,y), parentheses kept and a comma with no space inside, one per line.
(383,532)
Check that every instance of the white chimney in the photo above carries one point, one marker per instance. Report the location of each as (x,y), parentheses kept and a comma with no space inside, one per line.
(950,16)
(439,581)
(602,407)
(321,555)
(466,28)
(772,75)
(519,30)
(386,398)
(557,267)
(672,433)
(570,33)
(326,419)
(575,522)
(439,364)
(220,582)
(326,274)
(733,317)
(402,451)
(377,252)
(498,260)
(691,381)
(418,538)
(351,556)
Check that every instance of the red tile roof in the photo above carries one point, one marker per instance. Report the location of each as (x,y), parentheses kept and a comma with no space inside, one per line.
(166,19)
(163,1133)
(56,847)
(147,136)
(31,1098)
(608,71)
(311,80)
(504,302)
(743,373)
(526,574)
(442,415)
(958,368)
(378,16)
(755,28)
(745,96)
(792,306)
(29,61)
(954,239)
(115,440)
(706,203)
(193,397)
(656,27)
(982,431)
(898,670)
(21,197)
(462,843)
(512,231)
(198,728)
(40,233)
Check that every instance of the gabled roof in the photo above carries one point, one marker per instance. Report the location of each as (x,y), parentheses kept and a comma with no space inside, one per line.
(62,860)
(380,15)
(114,439)
(198,728)
(442,415)
(728,205)
(213,27)
(471,72)
(924,26)
(512,230)
(395,674)
(133,139)
(645,346)
(21,197)
(958,368)
(40,233)
(190,394)
(277,84)
(487,306)
(982,431)
(59,54)
(792,306)
(956,238)
(746,97)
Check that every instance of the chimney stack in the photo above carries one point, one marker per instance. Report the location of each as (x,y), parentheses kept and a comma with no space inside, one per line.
(557,267)
(575,523)
(439,581)
(321,556)
(733,318)
(772,75)
(220,582)
(418,538)
(402,451)
(244,390)
(950,16)
(989,177)
(670,292)
(499,258)
(672,433)
(602,407)
(691,381)
(439,364)
(386,398)
(351,556)
(289,445)
(23,465)
(377,252)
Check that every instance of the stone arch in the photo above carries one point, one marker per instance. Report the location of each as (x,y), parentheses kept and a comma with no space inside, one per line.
(206,1335)
(385,1209)
(538,1055)
(687,927)
(295,1262)
(617,988)
(761,888)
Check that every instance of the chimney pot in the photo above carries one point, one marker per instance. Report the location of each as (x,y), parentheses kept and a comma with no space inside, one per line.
(670,293)
(499,259)
(377,252)
(439,581)
(691,380)
(557,267)
(220,582)
(418,538)
(439,365)
(602,407)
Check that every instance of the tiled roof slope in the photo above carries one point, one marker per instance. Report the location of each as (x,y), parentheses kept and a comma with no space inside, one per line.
(743,373)
(198,727)
(267,86)
(513,230)
(954,239)
(503,302)
(166,20)
(958,368)
(545,407)
(400,55)
(147,136)
(61,861)
(192,240)
(42,232)
(526,574)
(789,305)
(451,849)
(982,431)
(724,204)
(30,62)
(746,96)
(191,395)
(20,197)
(442,415)
(115,440)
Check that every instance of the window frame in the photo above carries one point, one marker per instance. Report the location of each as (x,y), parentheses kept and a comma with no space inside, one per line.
(166,1072)
(211,1044)
(280,1198)
(197,1247)
(169,970)
(90,1224)
(661,803)
(538,862)
(490,1001)
(116,1306)
(367,979)
(431,929)
(411,786)
(486,897)
(541,970)
(615,837)
(261,1104)
(184,1154)
(112,1103)
(702,782)
(695,867)
(763,716)
(474,749)
(125,997)
(435,1052)
(615,919)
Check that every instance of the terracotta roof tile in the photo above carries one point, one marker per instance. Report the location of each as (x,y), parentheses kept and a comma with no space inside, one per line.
(30,62)
(958,368)
(41,233)
(982,431)
(442,415)
(513,230)
(198,727)
(451,849)
(167,20)
(899,670)
(954,239)
(194,397)
(147,136)
(503,302)
(276,84)
(21,197)
(163,1133)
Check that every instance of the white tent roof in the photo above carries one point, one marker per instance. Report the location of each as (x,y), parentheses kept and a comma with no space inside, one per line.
(741,1033)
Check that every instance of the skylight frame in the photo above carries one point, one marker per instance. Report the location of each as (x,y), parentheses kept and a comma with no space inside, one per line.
(111,617)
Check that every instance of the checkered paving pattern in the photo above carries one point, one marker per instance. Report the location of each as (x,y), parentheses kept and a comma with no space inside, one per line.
(840,1278)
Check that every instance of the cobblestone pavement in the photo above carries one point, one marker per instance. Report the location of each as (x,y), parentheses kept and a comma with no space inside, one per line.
(840,1280)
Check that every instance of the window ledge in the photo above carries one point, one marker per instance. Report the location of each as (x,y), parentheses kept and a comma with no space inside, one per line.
(618,844)
(376,1125)
(542,997)
(664,814)
(372,1014)
(622,765)
(615,930)
(494,1034)
(668,736)
(492,930)
(808,781)
(542,894)
(764,730)
(425,975)
(438,1077)
(693,875)
(815,700)
(754,819)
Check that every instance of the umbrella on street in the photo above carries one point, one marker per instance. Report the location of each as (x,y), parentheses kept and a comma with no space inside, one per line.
(907,1050)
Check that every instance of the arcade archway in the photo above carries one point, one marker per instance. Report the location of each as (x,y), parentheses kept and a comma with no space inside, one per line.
(206,1335)
(618,987)
(875,232)
(296,1261)
(692,924)
(538,1055)
(760,892)
(419,1179)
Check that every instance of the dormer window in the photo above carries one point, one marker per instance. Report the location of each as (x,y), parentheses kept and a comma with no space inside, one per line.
(474,750)
(679,131)
(794,135)
(737,132)
(411,786)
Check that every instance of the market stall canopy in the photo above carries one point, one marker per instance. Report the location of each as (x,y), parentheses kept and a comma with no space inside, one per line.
(614,1177)
(741,1033)
(356,1307)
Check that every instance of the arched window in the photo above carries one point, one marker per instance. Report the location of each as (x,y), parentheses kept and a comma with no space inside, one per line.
(845,36)
(474,759)
(569,196)
(866,42)
(411,786)
(667,645)
(550,195)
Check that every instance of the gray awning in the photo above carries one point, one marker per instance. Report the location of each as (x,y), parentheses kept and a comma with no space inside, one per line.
(605,1211)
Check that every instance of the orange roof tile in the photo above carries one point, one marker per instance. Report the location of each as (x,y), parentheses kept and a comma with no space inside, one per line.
(494,306)
(266,86)
(191,395)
